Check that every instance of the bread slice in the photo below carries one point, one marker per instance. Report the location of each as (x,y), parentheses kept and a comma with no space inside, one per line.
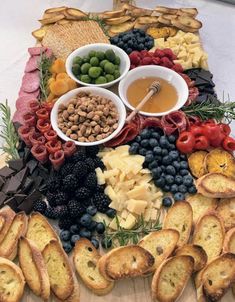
(9,245)
(201,204)
(195,251)
(40,231)
(226,209)
(6,217)
(180,218)
(229,242)
(171,278)
(126,261)
(11,281)
(86,259)
(34,268)
(216,185)
(59,270)
(209,234)
(218,276)
(199,288)
(160,244)
(75,296)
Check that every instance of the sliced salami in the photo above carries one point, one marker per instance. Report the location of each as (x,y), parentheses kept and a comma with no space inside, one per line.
(24,101)
(33,94)
(32,64)
(36,51)
(152,122)
(174,121)
(48,53)
(30,82)
(18,116)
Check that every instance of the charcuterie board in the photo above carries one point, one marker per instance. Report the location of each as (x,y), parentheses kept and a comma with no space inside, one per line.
(82,179)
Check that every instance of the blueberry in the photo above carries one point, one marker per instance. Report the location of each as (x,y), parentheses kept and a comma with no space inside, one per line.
(144,143)
(91,210)
(74,229)
(163,168)
(111,213)
(133,149)
(141,46)
(164,152)
(138,139)
(156,172)
(85,220)
(67,247)
(85,233)
(170,170)
(125,38)
(171,147)
(106,243)
(192,189)
(129,50)
(65,235)
(149,158)
(174,154)
(135,30)
(74,238)
(171,138)
(153,142)
(141,40)
(157,150)
(179,196)
(178,179)
(149,44)
(141,32)
(183,157)
(160,182)
(167,160)
(155,135)
(149,152)
(182,189)
(174,188)
(100,228)
(147,38)
(114,40)
(167,202)
(145,133)
(176,165)
(130,43)
(153,165)
(95,242)
(183,172)
(169,180)
(158,158)
(187,180)
(166,188)
(163,142)
(92,226)
(120,44)
(142,151)
(183,165)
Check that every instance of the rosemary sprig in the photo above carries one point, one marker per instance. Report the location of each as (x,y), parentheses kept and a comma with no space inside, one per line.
(8,132)
(44,65)
(124,237)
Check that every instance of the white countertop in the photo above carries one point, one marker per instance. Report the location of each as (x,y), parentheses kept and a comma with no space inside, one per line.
(19,18)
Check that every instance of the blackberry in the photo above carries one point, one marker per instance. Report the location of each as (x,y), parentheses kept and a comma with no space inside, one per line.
(75,208)
(66,169)
(91,181)
(40,206)
(61,211)
(92,151)
(51,198)
(98,163)
(101,201)
(82,193)
(80,155)
(65,223)
(70,183)
(90,164)
(60,198)
(99,189)
(50,213)
(53,184)
(80,170)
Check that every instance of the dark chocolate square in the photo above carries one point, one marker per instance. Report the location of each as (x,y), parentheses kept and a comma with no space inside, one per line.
(13,185)
(27,185)
(11,202)
(3,197)
(20,197)
(1,182)
(32,165)
(16,164)
(27,204)
(5,186)
(21,175)
(6,172)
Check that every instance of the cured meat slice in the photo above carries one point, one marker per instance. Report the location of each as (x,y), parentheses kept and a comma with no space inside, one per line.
(29,119)
(34,94)
(48,53)
(152,122)
(24,133)
(32,64)
(36,138)
(69,148)
(53,146)
(50,135)
(57,159)
(36,51)
(30,81)
(24,101)
(174,121)
(40,153)
(18,117)
(127,134)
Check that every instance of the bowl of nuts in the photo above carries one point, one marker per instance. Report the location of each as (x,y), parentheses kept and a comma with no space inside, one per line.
(99,64)
(88,116)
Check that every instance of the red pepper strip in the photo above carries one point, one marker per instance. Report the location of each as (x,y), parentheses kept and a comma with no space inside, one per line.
(53,146)
(40,153)
(36,138)
(43,125)
(57,159)
(69,148)
(34,106)
(229,144)
(211,131)
(29,119)
(50,135)
(201,143)
(185,142)
(196,131)
(42,114)
(24,132)
(225,128)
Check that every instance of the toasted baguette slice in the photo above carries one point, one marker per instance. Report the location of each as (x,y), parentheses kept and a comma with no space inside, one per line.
(40,231)
(119,20)
(6,217)
(218,276)
(9,245)
(11,281)
(199,288)
(124,262)
(195,251)
(55,10)
(86,263)
(180,218)
(187,23)
(160,244)
(34,268)
(166,10)
(75,296)
(226,209)
(229,241)
(192,11)
(171,278)
(209,233)
(59,270)
(201,205)
(112,14)
(216,185)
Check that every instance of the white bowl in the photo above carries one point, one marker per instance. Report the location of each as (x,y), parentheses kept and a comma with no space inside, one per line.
(96,91)
(84,50)
(155,71)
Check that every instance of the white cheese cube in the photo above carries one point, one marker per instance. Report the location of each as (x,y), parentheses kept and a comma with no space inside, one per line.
(136,206)
(100,176)
(129,223)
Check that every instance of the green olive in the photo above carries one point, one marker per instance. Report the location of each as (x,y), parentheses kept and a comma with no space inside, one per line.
(109,68)
(109,77)
(94,61)
(85,78)
(101,80)
(94,72)
(78,60)
(85,67)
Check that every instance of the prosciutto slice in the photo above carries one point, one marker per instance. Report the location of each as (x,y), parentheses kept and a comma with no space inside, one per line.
(174,122)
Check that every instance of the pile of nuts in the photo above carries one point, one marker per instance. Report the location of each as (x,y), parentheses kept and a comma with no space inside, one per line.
(87,117)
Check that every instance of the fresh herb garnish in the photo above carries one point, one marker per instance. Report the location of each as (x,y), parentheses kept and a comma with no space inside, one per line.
(123,237)
(44,65)
(8,132)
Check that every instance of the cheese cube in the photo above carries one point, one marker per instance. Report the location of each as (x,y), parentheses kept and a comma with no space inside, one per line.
(110,173)
(136,206)
(110,192)
(113,223)
(100,176)
(154,214)
(124,214)
(138,192)
(100,217)
(157,203)
(129,223)
(147,214)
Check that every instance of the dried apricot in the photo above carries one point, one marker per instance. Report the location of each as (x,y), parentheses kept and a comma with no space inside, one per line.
(59,87)
(62,75)
(72,84)
(58,66)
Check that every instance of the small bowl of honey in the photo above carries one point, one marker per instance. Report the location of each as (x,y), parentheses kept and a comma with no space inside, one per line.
(171,97)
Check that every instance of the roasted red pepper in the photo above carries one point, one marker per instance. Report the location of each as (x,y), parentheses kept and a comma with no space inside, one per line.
(196,131)
(50,135)
(211,131)
(57,159)
(185,142)
(43,125)
(201,143)
(53,146)
(69,148)
(37,138)
(42,114)
(229,144)
(40,153)
(29,119)
(225,129)
(217,141)
(24,133)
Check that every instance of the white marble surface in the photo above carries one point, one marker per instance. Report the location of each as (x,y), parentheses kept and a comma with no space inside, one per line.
(19,18)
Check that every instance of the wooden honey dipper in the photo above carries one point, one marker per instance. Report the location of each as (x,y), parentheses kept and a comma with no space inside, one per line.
(154,88)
